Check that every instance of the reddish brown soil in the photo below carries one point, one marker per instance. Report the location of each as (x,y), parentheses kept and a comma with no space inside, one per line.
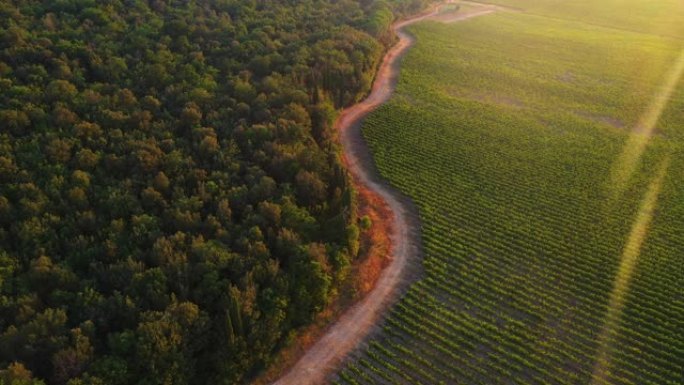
(393,215)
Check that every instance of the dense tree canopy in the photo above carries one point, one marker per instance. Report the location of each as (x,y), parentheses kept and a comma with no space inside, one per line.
(172,204)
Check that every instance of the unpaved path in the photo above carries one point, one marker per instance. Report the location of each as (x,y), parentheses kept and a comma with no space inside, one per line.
(350,330)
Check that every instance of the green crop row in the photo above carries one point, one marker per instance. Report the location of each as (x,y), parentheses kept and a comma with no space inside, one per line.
(507,131)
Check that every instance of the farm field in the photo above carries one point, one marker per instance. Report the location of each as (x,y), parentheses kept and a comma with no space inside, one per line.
(662,17)
(545,156)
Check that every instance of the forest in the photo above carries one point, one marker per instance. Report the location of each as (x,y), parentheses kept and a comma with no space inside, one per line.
(172,201)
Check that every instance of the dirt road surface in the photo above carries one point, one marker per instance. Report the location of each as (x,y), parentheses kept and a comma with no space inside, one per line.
(352,328)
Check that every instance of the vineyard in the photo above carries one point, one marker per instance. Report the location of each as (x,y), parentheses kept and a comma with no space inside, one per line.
(552,223)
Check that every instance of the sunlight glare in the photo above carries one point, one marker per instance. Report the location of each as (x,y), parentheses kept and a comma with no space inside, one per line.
(625,271)
(643,131)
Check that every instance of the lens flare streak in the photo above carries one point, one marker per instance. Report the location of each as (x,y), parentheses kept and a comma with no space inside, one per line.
(625,271)
(643,131)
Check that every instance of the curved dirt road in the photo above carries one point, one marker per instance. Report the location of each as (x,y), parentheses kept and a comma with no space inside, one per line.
(350,330)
